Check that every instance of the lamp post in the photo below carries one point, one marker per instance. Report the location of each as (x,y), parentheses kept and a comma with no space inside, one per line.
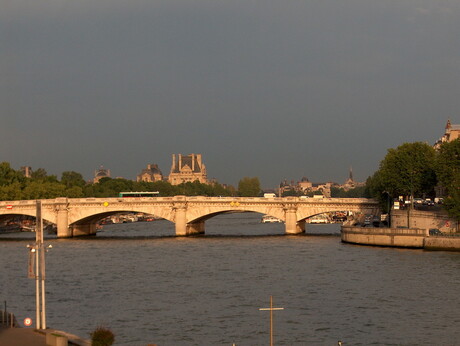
(37,260)
(389,208)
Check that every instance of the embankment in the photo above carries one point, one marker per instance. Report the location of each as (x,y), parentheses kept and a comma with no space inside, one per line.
(399,237)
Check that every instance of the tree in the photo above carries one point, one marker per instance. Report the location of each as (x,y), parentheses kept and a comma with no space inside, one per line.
(448,172)
(249,187)
(74,192)
(71,179)
(357,192)
(39,174)
(108,187)
(8,175)
(43,190)
(408,170)
(11,192)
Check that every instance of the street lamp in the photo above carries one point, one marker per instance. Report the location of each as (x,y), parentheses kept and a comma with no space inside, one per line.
(389,208)
(37,260)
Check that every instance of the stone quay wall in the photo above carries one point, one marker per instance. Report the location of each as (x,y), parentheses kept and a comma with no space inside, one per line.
(442,243)
(411,218)
(399,237)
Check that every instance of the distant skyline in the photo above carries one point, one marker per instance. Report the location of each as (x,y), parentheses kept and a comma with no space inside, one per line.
(275,90)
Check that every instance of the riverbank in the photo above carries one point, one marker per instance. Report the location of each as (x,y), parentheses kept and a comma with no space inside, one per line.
(30,336)
(414,238)
(12,334)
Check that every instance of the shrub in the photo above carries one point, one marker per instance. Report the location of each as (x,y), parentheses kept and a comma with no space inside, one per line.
(102,336)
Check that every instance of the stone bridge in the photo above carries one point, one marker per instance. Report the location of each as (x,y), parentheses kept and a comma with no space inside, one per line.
(79,216)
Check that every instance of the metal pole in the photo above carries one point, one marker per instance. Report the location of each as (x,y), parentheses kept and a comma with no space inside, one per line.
(38,248)
(37,285)
(42,271)
(271,320)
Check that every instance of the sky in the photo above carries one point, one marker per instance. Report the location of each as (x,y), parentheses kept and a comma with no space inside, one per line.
(270,89)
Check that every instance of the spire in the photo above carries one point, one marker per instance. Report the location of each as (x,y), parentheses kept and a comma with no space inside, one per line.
(351,173)
(448,125)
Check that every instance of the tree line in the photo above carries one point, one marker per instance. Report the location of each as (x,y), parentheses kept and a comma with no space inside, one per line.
(15,186)
(410,170)
(418,170)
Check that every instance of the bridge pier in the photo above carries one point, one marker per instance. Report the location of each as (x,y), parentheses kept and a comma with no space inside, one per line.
(301,226)
(62,219)
(83,230)
(180,221)
(291,224)
(195,228)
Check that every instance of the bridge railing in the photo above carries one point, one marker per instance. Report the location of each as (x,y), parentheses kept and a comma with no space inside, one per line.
(6,204)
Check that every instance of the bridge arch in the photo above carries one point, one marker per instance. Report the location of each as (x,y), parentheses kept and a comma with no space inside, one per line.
(197,214)
(208,215)
(87,224)
(6,218)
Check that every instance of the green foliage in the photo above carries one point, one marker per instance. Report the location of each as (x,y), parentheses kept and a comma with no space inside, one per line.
(408,170)
(108,187)
(452,205)
(249,187)
(357,192)
(14,186)
(102,336)
(74,192)
(448,172)
(292,193)
(43,190)
(8,175)
(448,165)
(71,179)
(11,192)
(39,174)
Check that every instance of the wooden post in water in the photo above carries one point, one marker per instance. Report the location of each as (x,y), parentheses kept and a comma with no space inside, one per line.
(271,309)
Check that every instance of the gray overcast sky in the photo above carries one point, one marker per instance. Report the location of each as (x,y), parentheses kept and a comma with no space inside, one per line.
(274,89)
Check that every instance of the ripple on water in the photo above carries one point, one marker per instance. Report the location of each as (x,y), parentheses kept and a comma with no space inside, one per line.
(208,290)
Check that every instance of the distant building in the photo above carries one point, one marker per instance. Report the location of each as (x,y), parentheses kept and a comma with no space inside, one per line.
(325,188)
(187,168)
(26,171)
(305,184)
(350,183)
(305,187)
(452,133)
(150,174)
(101,173)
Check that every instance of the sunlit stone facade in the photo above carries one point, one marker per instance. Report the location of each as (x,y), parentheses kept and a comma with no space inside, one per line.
(452,133)
(187,168)
(151,174)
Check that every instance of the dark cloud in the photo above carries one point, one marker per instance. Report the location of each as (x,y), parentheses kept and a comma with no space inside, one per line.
(270,89)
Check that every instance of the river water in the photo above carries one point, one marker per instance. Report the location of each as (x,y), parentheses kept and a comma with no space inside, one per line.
(149,287)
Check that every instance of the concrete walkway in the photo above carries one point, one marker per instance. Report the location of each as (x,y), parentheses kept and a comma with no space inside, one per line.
(21,337)
(31,337)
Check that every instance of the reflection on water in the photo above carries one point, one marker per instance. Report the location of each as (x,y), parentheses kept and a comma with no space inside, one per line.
(150,287)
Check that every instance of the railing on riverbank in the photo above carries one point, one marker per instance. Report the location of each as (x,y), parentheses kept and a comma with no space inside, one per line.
(7,319)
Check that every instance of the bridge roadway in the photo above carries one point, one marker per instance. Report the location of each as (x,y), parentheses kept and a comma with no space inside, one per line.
(79,216)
